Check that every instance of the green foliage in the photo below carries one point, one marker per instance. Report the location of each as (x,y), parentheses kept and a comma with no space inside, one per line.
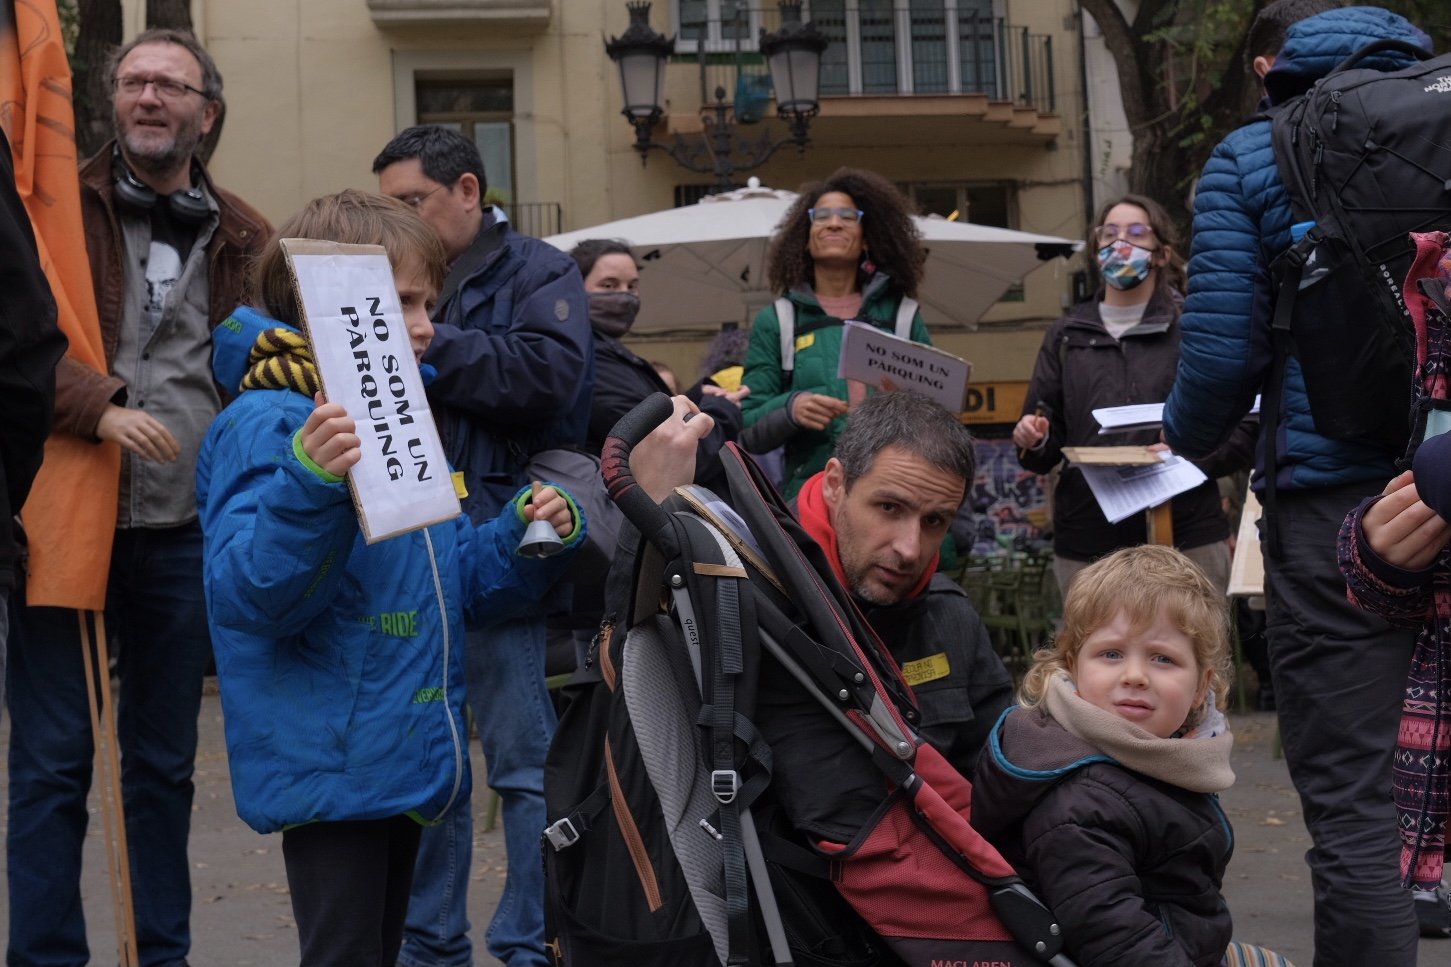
(70,23)
(1201,43)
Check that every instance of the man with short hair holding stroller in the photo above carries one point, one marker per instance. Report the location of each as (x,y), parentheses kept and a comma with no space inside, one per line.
(880,510)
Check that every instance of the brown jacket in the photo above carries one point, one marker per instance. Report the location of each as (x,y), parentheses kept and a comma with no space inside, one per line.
(82,394)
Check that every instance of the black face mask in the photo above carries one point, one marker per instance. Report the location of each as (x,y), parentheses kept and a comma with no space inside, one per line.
(613,313)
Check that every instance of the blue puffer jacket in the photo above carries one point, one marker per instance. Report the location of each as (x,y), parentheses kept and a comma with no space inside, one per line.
(1241,223)
(340,662)
(515,363)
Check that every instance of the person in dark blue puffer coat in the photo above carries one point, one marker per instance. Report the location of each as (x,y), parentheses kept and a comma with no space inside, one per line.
(1338,672)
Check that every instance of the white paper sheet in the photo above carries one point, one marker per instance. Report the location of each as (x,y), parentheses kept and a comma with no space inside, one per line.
(881,359)
(1137,416)
(1134,417)
(1124,491)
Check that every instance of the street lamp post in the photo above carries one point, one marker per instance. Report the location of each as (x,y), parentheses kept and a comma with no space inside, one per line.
(793,54)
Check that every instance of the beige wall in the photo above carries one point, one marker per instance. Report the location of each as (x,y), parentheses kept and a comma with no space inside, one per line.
(314,88)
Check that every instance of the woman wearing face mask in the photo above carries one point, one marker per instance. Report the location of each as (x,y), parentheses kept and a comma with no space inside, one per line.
(1118,348)
(623,379)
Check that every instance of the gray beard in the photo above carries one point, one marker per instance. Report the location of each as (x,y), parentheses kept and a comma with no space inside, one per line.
(164,163)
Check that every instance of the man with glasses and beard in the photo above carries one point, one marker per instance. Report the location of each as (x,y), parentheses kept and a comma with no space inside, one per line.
(168,252)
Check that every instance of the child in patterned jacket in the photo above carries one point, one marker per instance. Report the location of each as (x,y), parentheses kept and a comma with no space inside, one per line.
(1392,551)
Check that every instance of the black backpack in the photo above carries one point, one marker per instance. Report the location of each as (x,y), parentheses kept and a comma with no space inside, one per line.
(1365,156)
(737,778)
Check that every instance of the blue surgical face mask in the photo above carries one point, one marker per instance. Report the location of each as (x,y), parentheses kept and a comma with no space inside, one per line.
(1125,265)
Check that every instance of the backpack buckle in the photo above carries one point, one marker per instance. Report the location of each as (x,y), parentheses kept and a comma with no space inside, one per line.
(1299,253)
(725,783)
(562,835)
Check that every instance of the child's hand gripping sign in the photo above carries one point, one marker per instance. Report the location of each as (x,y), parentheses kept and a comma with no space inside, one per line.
(355,328)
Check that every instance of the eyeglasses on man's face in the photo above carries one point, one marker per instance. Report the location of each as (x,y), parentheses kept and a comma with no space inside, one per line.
(1135,232)
(172,90)
(415,201)
(845,214)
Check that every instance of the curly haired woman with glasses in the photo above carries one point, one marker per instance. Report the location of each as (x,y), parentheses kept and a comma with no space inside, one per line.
(846,250)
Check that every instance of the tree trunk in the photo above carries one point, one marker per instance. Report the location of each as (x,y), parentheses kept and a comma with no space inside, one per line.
(1173,131)
(99,33)
(175,14)
(1159,172)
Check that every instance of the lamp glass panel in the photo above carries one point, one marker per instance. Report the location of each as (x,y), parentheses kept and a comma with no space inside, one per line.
(795,74)
(805,75)
(642,81)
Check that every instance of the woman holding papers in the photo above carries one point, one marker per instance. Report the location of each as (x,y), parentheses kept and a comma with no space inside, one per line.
(847,249)
(1120,347)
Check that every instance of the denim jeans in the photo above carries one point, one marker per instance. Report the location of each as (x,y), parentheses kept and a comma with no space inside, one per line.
(1339,676)
(515,719)
(4,635)
(156,618)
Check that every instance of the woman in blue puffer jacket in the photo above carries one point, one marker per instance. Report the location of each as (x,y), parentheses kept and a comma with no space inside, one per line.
(339,661)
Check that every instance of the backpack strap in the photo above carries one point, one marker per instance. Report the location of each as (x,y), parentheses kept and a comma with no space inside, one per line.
(1288,269)
(786,319)
(906,312)
(489,241)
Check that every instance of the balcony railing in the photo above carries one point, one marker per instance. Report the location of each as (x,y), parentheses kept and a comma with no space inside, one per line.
(879,47)
(536,218)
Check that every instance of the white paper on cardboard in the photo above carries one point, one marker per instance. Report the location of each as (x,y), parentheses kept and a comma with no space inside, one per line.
(355,327)
(1124,491)
(882,359)
(1137,416)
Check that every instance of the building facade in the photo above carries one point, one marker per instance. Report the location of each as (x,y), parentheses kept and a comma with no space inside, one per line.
(972,106)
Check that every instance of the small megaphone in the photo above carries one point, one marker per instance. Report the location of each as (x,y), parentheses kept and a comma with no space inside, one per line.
(539,538)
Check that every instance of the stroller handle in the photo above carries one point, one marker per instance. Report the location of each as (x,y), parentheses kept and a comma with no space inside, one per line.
(637,506)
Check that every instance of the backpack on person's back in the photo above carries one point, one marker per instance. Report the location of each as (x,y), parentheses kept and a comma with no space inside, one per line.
(1365,156)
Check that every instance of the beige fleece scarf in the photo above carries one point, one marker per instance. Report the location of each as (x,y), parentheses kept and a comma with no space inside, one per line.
(1198,762)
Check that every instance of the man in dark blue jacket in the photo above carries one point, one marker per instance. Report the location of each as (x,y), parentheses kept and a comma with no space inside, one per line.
(515,374)
(1338,672)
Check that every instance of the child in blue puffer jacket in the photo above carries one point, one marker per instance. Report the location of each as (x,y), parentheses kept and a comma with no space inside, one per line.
(340,662)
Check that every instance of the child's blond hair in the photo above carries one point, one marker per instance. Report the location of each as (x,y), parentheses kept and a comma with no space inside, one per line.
(351,216)
(1141,582)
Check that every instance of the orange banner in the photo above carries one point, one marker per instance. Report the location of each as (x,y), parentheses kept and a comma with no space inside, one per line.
(71,514)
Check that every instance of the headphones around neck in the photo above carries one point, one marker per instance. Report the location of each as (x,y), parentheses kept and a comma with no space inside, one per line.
(189,205)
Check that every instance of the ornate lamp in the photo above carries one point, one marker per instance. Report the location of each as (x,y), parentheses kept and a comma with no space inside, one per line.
(641,55)
(793,53)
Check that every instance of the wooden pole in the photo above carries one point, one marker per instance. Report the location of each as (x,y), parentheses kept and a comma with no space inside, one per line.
(107,770)
(1161,523)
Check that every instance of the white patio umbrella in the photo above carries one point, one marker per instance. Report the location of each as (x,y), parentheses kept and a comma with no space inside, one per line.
(705,264)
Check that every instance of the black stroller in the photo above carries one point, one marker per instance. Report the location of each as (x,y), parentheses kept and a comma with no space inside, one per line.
(736,780)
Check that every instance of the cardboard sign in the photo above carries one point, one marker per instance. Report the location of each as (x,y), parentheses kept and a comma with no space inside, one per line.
(1247,567)
(1127,456)
(355,327)
(881,359)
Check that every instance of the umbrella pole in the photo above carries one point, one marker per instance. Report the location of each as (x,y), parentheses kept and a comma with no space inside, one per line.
(108,769)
